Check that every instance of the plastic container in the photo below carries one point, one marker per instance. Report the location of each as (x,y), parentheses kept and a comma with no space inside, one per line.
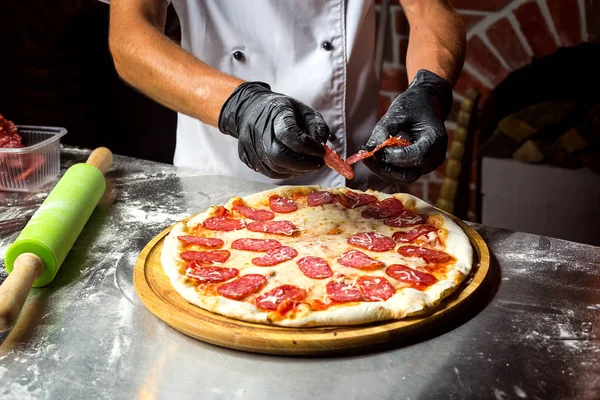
(29,168)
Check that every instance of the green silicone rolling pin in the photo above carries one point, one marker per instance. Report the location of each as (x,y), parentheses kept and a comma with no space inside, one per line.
(38,252)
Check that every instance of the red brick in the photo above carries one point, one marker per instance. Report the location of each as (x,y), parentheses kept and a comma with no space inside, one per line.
(450,132)
(384,104)
(504,38)
(402,50)
(482,5)
(454,111)
(482,59)
(470,20)
(565,14)
(394,79)
(467,81)
(534,27)
(441,171)
(433,192)
(401,23)
(416,189)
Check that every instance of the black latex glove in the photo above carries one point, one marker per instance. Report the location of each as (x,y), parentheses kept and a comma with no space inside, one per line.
(277,136)
(418,116)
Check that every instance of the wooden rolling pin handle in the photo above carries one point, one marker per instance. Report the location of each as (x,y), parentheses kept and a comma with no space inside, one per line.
(101,158)
(13,292)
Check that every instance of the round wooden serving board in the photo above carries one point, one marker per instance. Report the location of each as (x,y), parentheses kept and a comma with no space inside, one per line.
(156,292)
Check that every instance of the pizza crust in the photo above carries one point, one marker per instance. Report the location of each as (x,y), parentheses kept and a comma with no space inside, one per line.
(405,302)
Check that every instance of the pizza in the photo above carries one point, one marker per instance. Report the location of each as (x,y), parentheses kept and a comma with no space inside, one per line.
(302,256)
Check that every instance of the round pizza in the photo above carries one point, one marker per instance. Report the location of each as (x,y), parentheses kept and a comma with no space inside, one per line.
(313,256)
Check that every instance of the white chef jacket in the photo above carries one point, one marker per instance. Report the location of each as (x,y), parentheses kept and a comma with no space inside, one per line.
(320,52)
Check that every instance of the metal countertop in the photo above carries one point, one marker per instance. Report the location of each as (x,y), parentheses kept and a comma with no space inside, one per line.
(533,331)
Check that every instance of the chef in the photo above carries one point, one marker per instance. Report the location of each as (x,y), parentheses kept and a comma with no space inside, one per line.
(261,85)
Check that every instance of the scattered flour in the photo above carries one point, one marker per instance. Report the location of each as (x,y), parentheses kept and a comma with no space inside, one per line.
(519,392)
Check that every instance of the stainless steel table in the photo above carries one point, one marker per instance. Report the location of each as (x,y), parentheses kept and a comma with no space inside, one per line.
(534,331)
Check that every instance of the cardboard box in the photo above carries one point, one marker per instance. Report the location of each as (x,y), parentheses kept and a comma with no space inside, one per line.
(541,199)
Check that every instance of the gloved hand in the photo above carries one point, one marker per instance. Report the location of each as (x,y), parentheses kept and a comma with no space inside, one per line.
(418,116)
(277,136)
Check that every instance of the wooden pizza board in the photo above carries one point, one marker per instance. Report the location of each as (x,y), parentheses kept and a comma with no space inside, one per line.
(157,294)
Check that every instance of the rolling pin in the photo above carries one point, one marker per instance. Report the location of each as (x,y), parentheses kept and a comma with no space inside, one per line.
(38,252)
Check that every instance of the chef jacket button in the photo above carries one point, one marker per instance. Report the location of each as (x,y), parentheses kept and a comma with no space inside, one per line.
(327,46)
(238,55)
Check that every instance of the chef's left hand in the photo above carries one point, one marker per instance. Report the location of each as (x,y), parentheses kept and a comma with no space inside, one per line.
(418,116)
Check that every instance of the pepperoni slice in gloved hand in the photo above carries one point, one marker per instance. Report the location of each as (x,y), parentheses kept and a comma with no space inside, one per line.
(362,154)
(416,279)
(372,241)
(206,256)
(375,288)
(359,260)
(242,287)
(275,256)
(314,267)
(281,298)
(337,163)
(430,256)
(251,244)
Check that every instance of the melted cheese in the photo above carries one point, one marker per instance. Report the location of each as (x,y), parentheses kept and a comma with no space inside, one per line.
(323,232)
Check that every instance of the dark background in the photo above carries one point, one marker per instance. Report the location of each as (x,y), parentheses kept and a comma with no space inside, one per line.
(56,70)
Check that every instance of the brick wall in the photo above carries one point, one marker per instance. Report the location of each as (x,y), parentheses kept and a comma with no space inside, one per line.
(502,36)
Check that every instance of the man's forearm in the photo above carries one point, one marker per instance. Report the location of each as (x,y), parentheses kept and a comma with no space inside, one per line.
(146,59)
(437,38)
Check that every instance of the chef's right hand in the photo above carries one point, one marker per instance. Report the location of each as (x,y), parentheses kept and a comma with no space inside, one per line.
(277,136)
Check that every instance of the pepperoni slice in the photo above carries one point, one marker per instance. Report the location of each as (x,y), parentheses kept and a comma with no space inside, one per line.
(206,256)
(358,259)
(202,241)
(375,288)
(314,267)
(221,211)
(372,241)
(353,199)
(336,163)
(275,256)
(275,227)
(242,287)
(391,141)
(412,235)
(406,219)
(253,213)
(282,298)
(255,244)
(318,198)
(430,256)
(282,204)
(222,224)
(209,273)
(387,208)
(417,279)
(343,292)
